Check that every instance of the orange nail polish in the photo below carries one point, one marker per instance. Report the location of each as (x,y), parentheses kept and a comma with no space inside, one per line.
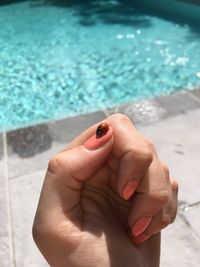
(130,188)
(140,239)
(140,225)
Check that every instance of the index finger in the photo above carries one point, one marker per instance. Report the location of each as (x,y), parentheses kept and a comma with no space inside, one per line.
(131,150)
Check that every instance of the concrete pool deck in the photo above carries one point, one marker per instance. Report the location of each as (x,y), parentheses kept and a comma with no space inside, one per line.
(171,122)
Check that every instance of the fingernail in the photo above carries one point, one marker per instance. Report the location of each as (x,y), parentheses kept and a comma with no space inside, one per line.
(140,225)
(140,239)
(130,188)
(96,142)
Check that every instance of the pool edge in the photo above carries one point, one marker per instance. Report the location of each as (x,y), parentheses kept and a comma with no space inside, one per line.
(166,105)
(29,149)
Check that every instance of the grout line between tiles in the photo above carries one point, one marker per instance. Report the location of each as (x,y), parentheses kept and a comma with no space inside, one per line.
(188,224)
(188,206)
(194,97)
(8,206)
(21,177)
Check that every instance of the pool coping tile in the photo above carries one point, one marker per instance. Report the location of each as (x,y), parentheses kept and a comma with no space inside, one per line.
(150,111)
(177,103)
(143,112)
(195,94)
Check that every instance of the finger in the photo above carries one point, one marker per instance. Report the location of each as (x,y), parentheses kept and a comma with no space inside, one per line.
(174,186)
(61,191)
(152,196)
(59,212)
(82,161)
(161,220)
(132,151)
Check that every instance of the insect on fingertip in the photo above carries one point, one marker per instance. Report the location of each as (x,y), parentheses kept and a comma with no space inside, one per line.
(102,130)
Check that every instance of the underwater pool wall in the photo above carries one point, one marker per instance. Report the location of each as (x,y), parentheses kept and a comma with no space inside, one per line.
(184,10)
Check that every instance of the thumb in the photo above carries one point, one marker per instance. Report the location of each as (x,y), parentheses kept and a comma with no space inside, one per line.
(84,160)
(66,172)
(58,212)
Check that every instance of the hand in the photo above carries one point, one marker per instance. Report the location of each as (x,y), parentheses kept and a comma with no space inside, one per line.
(101,197)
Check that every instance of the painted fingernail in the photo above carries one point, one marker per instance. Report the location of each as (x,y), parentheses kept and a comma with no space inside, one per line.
(103,134)
(140,239)
(130,188)
(140,225)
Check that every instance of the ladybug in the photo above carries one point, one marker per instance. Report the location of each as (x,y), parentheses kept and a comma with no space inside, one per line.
(102,130)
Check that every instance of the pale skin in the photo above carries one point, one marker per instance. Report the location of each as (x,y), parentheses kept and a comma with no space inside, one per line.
(86,217)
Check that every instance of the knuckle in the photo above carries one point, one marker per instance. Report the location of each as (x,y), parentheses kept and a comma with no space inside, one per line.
(41,232)
(140,155)
(150,145)
(165,169)
(36,232)
(161,197)
(148,232)
(144,154)
(120,117)
(175,186)
(147,155)
(173,218)
(54,164)
(165,220)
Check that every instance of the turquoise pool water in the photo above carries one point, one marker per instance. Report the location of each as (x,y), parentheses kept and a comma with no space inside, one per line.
(62,60)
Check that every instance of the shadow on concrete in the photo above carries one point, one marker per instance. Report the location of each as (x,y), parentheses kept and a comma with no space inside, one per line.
(27,142)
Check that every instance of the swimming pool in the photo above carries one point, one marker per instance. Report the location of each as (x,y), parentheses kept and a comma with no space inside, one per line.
(59,60)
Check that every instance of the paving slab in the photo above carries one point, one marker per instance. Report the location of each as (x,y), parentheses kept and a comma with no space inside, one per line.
(143,112)
(149,111)
(24,199)
(178,144)
(29,149)
(180,246)
(5,249)
(176,103)
(196,94)
(192,216)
